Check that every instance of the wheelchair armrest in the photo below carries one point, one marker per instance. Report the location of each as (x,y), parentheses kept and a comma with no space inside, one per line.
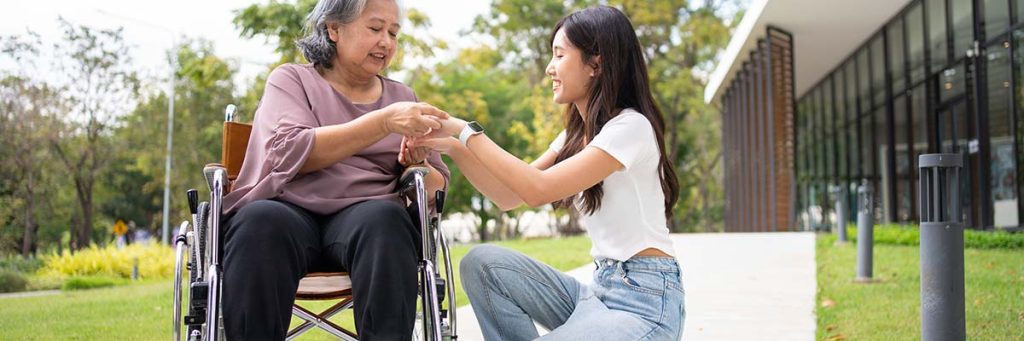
(407,182)
(407,188)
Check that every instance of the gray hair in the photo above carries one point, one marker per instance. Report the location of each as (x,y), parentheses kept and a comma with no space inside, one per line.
(317,45)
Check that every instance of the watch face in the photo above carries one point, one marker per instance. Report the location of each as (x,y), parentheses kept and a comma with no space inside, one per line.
(475,126)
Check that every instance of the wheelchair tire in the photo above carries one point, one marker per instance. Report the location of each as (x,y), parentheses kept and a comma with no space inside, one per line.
(201,231)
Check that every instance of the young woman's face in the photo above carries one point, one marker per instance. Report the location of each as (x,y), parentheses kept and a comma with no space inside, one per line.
(570,76)
(365,46)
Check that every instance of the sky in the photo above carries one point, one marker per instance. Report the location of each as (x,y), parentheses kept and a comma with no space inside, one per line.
(152,27)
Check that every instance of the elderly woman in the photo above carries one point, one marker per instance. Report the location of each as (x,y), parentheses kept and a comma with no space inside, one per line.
(317,189)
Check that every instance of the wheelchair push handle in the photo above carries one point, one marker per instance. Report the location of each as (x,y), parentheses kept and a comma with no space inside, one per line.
(193,200)
(439,201)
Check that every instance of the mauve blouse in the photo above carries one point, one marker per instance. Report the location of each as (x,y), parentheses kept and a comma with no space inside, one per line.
(296,100)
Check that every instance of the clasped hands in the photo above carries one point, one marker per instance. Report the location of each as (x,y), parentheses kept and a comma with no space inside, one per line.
(424,128)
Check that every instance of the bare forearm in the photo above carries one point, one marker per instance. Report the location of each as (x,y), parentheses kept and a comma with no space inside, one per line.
(483,180)
(337,142)
(522,180)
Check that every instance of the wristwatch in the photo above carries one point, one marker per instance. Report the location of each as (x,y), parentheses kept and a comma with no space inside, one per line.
(472,128)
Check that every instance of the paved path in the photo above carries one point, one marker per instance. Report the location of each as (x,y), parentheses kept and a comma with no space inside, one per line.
(739,286)
(29,293)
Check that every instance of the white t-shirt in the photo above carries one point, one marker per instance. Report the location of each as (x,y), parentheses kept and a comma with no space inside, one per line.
(632,213)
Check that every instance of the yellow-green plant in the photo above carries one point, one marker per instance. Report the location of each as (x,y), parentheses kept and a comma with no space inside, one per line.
(155,261)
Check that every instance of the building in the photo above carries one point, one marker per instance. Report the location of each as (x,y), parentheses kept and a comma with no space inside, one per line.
(818,95)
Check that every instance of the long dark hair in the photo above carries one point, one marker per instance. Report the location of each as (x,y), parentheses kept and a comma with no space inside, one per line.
(621,83)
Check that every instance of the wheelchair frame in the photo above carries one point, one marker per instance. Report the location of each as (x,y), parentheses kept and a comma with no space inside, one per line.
(197,245)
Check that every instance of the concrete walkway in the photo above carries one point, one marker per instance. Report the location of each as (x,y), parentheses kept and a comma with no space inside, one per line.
(739,286)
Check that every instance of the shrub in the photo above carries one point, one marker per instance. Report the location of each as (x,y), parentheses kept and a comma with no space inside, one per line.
(20,264)
(90,282)
(155,261)
(973,239)
(11,281)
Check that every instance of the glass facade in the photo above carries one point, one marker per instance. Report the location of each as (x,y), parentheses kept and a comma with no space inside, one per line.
(937,77)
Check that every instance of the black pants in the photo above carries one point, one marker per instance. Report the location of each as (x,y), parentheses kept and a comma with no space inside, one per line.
(270,245)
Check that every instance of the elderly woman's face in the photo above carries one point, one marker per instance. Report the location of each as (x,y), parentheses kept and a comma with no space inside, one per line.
(366,46)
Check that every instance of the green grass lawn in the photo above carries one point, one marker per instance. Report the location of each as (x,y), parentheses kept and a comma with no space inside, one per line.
(142,311)
(889,309)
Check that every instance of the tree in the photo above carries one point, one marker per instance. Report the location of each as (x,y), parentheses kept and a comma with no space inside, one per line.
(202,90)
(100,87)
(26,110)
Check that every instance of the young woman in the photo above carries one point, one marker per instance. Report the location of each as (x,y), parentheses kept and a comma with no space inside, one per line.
(609,164)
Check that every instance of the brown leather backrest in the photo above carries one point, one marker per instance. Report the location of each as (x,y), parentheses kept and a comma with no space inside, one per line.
(232,152)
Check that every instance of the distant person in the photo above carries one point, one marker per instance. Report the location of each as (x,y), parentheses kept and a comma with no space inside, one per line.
(317,190)
(610,164)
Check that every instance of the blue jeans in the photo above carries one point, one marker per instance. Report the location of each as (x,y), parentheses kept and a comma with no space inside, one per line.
(639,299)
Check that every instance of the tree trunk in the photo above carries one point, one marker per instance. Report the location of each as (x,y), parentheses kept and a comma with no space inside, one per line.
(572,227)
(28,242)
(85,229)
(704,206)
(482,229)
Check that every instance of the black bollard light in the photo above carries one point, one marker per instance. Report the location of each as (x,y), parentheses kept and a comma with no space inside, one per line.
(942,248)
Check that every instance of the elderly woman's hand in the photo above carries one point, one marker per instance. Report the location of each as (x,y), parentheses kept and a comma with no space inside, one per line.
(411,155)
(412,119)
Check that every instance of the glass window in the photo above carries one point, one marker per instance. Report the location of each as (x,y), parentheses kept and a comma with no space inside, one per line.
(915,42)
(841,145)
(1004,168)
(853,149)
(952,83)
(819,134)
(895,41)
(864,80)
(829,137)
(878,83)
(901,120)
(937,40)
(920,136)
(867,145)
(1020,10)
(881,147)
(963,26)
(997,17)
(850,74)
(839,84)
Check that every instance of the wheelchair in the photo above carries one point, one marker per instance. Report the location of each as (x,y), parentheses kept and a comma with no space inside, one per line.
(197,260)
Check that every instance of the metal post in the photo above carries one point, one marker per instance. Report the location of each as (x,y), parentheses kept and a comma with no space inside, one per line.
(865,232)
(165,236)
(942,248)
(839,191)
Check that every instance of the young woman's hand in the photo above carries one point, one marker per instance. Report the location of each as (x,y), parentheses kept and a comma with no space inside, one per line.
(444,145)
(409,155)
(451,126)
(412,119)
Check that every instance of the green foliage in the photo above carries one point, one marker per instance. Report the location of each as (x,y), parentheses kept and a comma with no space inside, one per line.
(911,235)
(154,261)
(90,282)
(12,281)
(889,307)
(20,264)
